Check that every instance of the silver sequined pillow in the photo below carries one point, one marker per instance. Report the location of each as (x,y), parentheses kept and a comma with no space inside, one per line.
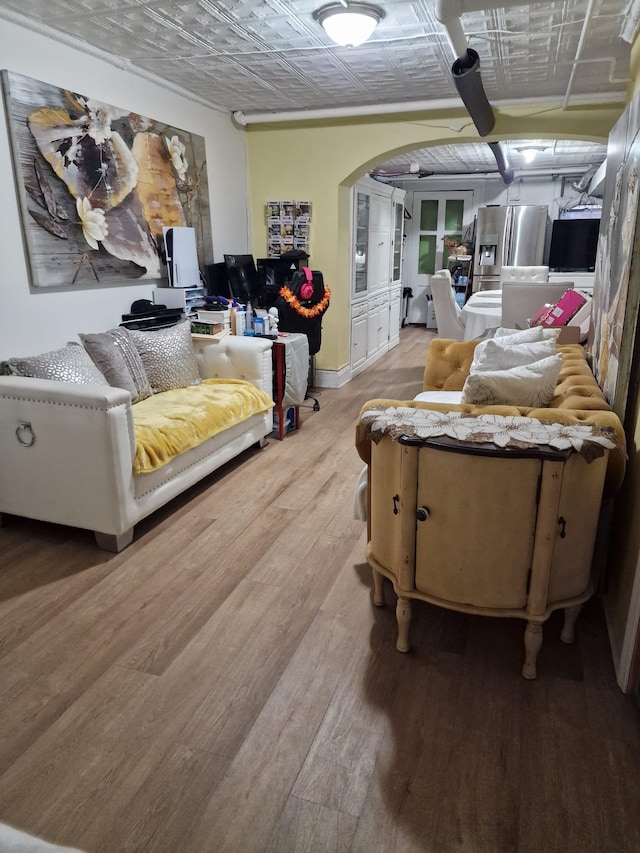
(68,364)
(116,357)
(168,357)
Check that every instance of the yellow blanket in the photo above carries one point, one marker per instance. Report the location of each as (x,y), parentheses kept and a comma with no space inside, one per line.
(169,423)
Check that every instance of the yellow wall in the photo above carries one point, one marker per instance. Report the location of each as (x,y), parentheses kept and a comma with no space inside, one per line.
(321,160)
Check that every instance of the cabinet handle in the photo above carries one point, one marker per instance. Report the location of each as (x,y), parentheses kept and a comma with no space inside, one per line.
(422,513)
(563,524)
(396,498)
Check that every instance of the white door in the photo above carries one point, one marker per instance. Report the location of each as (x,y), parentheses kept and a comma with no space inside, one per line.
(436,215)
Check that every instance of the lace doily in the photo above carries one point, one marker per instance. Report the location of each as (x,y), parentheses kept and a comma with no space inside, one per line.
(501,430)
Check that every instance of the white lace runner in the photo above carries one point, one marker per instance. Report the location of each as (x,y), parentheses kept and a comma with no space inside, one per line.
(501,430)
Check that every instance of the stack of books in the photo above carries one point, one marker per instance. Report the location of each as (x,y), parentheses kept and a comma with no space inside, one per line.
(211,322)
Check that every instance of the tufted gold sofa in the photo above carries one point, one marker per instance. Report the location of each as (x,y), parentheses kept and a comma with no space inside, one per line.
(483,529)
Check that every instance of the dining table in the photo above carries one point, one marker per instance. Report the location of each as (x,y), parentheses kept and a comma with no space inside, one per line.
(482,311)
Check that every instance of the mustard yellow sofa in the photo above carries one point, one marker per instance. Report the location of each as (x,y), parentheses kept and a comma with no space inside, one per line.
(503,531)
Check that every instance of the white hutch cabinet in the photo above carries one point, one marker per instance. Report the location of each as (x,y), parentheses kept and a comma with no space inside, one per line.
(376,284)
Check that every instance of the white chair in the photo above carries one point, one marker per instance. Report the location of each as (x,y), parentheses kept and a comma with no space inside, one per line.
(448,319)
(530,274)
(522,299)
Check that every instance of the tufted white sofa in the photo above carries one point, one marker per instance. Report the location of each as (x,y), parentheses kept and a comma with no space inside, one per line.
(78,470)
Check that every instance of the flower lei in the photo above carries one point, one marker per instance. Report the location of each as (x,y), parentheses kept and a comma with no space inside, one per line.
(293,302)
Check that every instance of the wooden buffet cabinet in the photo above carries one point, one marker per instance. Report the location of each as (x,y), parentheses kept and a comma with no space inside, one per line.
(493,532)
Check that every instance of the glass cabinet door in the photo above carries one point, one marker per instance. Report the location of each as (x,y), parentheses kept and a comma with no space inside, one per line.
(361,242)
(397,240)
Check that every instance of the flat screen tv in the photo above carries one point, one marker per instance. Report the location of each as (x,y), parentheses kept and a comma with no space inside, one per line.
(574,244)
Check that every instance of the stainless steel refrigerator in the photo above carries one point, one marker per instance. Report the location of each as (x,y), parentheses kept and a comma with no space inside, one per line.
(512,235)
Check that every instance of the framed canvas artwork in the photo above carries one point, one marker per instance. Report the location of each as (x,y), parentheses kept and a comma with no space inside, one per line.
(96,185)
(617,290)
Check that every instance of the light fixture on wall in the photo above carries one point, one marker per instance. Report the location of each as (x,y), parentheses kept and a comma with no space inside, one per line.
(349,24)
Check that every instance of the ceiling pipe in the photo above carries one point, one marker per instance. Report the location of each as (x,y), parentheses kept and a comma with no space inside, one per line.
(468,82)
(344,112)
(503,164)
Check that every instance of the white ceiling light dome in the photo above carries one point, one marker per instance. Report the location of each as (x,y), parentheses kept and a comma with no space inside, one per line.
(349,24)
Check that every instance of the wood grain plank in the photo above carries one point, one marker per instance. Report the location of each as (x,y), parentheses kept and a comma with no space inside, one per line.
(263,772)
(310,828)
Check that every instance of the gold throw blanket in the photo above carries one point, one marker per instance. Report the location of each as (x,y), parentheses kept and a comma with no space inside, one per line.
(172,422)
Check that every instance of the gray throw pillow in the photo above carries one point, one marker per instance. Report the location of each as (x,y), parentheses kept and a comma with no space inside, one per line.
(168,356)
(117,358)
(68,364)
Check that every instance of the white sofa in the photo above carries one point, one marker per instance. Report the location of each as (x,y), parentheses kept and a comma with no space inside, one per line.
(78,469)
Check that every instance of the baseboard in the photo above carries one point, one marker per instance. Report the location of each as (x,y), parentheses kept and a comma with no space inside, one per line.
(332,378)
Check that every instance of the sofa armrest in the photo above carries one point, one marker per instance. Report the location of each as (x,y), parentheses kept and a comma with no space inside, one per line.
(236,357)
(67,452)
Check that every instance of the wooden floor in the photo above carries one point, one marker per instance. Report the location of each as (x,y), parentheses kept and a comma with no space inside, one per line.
(225,683)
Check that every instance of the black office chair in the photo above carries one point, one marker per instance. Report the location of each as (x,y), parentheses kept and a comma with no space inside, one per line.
(301,306)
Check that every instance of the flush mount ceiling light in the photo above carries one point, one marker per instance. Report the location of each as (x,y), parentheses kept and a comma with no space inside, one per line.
(529,152)
(349,24)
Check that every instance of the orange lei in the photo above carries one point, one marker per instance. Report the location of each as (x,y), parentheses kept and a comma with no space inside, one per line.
(293,302)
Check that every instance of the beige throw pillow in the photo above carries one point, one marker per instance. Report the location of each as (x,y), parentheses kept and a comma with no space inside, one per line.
(168,357)
(528,385)
(116,357)
(524,336)
(496,355)
(67,364)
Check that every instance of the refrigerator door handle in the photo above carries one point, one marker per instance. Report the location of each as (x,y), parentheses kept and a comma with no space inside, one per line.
(505,260)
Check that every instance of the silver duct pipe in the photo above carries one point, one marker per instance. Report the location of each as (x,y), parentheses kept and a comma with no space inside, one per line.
(503,164)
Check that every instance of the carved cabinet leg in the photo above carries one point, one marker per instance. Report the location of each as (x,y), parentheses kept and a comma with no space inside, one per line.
(403,617)
(532,643)
(378,593)
(569,630)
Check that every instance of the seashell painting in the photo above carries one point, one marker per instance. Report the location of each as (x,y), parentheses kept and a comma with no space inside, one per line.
(98,183)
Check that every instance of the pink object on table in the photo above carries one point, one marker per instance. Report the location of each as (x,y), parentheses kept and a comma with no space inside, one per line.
(561,312)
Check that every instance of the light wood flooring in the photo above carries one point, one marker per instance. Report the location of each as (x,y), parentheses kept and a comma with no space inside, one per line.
(225,684)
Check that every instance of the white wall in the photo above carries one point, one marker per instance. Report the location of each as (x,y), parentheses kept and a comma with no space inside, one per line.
(37,320)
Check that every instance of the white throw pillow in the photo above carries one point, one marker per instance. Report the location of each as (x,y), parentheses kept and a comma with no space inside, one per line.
(524,336)
(439,396)
(497,355)
(527,385)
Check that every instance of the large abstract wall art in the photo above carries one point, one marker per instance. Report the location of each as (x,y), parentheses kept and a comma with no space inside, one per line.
(96,184)
(617,286)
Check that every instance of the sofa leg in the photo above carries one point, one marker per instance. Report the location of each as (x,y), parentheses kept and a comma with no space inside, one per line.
(112,542)
(378,593)
(263,442)
(569,630)
(403,618)
(532,644)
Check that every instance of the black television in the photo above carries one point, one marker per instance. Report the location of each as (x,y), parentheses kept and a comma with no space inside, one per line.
(243,277)
(574,244)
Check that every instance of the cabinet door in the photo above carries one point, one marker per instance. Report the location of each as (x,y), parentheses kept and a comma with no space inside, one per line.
(379,243)
(395,307)
(475,546)
(358,340)
(578,513)
(361,243)
(372,330)
(396,249)
(383,326)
